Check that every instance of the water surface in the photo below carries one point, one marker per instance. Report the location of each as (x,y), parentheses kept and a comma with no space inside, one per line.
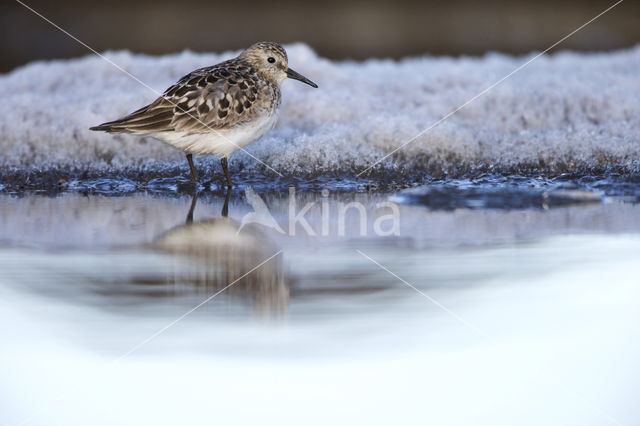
(496,301)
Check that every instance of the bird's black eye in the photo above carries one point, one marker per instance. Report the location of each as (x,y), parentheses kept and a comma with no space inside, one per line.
(271,59)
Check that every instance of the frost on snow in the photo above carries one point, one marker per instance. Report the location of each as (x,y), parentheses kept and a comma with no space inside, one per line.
(564,112)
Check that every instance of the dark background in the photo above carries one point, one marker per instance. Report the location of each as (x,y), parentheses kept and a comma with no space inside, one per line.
(336,29)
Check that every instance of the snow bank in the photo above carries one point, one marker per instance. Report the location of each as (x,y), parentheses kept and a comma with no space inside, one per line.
(564,112)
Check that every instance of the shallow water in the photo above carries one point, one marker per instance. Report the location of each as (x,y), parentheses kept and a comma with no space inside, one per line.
(494,300)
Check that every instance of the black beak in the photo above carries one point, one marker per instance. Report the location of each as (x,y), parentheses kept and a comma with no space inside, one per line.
(292,74)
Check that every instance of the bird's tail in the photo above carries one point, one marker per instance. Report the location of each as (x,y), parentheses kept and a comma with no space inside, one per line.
(107,127)
(154,117)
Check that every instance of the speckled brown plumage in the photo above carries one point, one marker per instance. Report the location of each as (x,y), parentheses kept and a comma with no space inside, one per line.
(218,109)
(216,97)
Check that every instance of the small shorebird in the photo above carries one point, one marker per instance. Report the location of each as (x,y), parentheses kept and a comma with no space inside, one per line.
(216,110)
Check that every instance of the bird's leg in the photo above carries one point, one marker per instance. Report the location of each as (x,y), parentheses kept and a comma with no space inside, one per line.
(191,209)
(226,171)
(225,208)
(194,173)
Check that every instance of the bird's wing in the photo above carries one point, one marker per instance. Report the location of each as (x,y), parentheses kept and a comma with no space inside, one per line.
(213,98)
(155,117)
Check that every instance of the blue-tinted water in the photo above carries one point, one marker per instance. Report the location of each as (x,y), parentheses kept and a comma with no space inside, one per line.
(511,292)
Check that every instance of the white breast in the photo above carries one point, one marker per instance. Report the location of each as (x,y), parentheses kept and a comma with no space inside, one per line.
(222,143)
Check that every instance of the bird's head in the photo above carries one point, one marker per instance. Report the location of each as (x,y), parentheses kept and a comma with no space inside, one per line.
(270,59)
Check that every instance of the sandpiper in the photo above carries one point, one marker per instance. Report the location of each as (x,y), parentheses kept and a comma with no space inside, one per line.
(216,110)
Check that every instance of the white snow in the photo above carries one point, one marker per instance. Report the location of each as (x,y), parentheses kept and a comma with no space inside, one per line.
(566,111)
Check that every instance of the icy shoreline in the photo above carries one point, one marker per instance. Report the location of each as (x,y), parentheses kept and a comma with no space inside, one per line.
(568,112)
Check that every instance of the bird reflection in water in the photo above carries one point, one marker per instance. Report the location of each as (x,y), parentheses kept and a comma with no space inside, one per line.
(213,254)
